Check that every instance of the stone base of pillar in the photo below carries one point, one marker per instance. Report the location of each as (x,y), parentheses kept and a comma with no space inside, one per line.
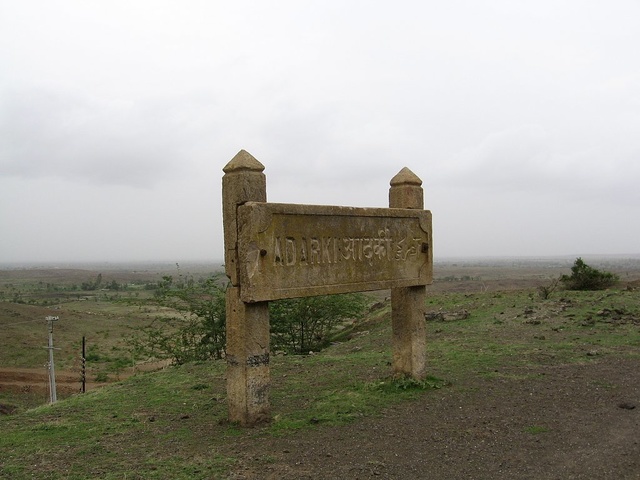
(409,331)
(247,360)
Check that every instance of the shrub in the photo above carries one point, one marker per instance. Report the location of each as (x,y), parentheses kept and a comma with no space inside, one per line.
(197,330)
(584,277)
(545,291)
(301,325)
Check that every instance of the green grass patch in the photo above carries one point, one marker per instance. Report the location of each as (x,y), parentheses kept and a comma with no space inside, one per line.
(536,429)
(172,423)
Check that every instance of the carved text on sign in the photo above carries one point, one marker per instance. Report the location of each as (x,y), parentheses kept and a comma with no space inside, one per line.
(289,250)
(319,250)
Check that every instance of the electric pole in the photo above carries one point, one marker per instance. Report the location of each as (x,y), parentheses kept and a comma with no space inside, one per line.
(52,372)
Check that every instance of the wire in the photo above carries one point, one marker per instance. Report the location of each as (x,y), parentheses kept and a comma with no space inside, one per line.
(19,323)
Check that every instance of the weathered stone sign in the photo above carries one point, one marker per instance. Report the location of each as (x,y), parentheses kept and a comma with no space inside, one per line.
(302,250)
(275,251)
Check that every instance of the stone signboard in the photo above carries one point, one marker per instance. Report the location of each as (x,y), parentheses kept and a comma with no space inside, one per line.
(291,250)
(275,251)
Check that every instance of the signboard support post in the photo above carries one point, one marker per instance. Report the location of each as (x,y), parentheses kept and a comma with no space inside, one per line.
(247,324)
(408,303)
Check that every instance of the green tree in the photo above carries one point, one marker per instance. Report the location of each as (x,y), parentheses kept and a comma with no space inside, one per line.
(90,286)
(196,331)
(301,325)
(584,277)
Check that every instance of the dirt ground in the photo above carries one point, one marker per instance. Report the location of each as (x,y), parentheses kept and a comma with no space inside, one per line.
(578,421)
(35,382)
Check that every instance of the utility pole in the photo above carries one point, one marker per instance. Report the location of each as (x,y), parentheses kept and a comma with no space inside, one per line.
(52,372)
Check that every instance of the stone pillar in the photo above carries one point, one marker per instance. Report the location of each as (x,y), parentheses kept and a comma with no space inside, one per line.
(247,323)
(243,181)
(408,304)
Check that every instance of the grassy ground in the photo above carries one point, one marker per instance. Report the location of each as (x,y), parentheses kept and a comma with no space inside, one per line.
(172,423)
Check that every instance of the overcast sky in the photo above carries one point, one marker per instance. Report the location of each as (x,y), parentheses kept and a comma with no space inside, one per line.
(117,117)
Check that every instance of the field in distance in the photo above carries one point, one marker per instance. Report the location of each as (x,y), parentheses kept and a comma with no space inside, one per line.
(105,303)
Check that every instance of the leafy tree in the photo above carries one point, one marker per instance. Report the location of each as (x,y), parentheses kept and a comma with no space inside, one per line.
(90,286)
(196,332)
(584,277)
(301,325)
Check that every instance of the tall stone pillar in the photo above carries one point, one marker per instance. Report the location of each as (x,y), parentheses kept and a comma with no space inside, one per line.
(408,303)
(247,326)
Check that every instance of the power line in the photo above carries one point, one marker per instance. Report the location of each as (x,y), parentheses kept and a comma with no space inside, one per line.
(19,323)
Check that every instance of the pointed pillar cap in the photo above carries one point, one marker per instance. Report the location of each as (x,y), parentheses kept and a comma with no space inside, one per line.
(405,177)
(243,161)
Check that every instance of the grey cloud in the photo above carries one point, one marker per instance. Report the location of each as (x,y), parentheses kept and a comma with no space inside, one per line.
(118,143)
(329,146)
(527,158)
(334,100)
(511,159)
